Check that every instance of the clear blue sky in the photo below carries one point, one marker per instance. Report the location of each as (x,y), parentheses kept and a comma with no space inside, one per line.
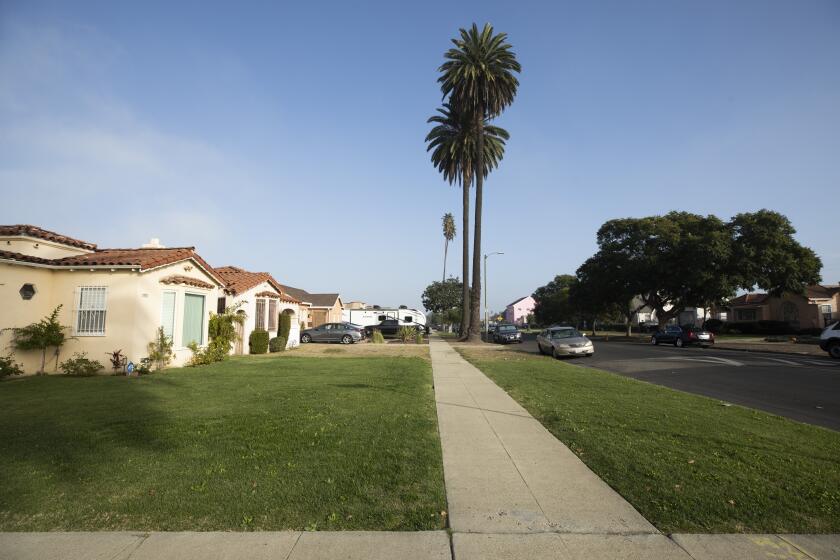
(289,137)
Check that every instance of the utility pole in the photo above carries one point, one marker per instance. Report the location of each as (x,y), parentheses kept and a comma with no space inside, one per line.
(486,321)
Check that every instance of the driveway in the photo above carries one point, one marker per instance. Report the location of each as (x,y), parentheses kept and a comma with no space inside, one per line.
(803,388)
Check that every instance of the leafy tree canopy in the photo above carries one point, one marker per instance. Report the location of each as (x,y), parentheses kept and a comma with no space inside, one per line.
(440,297)
(552,301)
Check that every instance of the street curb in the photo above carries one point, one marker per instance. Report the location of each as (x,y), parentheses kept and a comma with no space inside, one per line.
(717,347)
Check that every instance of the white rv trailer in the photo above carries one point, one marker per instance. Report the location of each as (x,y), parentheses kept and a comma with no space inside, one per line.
(371,317)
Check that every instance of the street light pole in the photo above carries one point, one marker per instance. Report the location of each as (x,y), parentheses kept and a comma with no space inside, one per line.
(486,322)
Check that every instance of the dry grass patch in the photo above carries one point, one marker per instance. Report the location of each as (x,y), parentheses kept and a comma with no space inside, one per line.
(363,350)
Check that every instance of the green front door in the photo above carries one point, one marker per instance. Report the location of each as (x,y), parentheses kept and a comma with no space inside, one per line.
(193,319)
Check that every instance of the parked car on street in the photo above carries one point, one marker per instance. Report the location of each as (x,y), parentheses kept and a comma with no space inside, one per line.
(683,336)
(830,340)
(345,333)
(564,341)
(506,334)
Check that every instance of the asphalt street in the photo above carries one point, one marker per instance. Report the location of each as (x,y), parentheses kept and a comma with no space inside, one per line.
(803,388)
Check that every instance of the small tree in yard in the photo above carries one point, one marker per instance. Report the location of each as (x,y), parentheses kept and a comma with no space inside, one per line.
(46,333)
(160,349)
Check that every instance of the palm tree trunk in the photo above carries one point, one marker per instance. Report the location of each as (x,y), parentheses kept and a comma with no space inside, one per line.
(445,252)
(475,303)
(465,294)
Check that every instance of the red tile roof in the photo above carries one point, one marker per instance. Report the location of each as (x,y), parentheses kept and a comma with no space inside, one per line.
(239,281)
(12,256)
(179,279)
(819,291)
(749,299)
(39,233)
(144,259)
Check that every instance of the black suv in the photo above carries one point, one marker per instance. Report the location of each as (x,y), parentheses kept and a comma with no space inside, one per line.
(507,334)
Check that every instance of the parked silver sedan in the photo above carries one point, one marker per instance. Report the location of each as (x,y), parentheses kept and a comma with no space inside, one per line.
(345,333)
(564,341)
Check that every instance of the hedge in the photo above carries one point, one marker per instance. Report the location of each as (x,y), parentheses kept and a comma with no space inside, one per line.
(277,344)
(258,342)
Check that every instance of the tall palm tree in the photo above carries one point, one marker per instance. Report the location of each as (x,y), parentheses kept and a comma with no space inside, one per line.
(478,78)
(448,235)
(453,144)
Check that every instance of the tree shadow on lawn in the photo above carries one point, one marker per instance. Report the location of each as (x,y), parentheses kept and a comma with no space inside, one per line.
(65,430)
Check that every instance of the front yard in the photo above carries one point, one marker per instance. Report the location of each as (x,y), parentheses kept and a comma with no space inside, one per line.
(265,443)
(687,463)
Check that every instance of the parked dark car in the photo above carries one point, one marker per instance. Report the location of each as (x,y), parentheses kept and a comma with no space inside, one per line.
(388,327)
(683,336)
(345,333)
(507,334)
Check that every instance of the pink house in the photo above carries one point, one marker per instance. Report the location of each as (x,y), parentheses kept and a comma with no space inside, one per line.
(518,311)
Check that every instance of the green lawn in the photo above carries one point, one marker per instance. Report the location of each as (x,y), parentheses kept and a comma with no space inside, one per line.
(252,443)
(687,463)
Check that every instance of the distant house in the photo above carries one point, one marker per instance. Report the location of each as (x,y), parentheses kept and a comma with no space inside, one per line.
(517,312)
(322,308)
(814,310)
(262,299)
(112,299)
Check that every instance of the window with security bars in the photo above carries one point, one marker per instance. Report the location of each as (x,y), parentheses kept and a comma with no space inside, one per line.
(90,310)
(259,316)
(272,315)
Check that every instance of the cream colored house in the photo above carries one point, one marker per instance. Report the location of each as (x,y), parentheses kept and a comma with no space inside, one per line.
(112,299)
(261,298)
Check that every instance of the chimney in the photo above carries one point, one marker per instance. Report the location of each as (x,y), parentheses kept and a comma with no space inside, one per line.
(154,243)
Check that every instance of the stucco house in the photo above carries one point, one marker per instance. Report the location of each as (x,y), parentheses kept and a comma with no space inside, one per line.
(820,306)
(518,311)
(262,299)
(322,308)
(111,299)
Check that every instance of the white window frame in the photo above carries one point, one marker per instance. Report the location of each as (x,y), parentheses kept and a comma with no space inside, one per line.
(79,313)
(272,315)
(174,312)
(259,322)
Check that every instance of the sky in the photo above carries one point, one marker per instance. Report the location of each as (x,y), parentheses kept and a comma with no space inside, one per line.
(288,137)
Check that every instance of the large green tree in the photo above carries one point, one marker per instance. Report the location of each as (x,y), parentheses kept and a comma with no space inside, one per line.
(766,255)
(453,146)
(684,260)
(443,299)
(478,77)
(552,301)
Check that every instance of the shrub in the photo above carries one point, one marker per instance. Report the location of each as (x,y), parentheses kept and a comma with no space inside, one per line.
(144,367)
(285,325)
(8,366)
(713,325)
(160,349)
(376,337)
(258,342)
(277,344)
(419,338)
(80,366)
(406,333)
(46,333)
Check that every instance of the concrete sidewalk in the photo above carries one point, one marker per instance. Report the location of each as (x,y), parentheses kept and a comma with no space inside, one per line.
(515,491)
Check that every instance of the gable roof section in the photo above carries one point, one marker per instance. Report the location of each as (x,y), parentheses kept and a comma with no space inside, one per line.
(239,281)
(821,291)
(143,259)
(517,301)
(317,300)
(25,230)
(749,299)
(186,280)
